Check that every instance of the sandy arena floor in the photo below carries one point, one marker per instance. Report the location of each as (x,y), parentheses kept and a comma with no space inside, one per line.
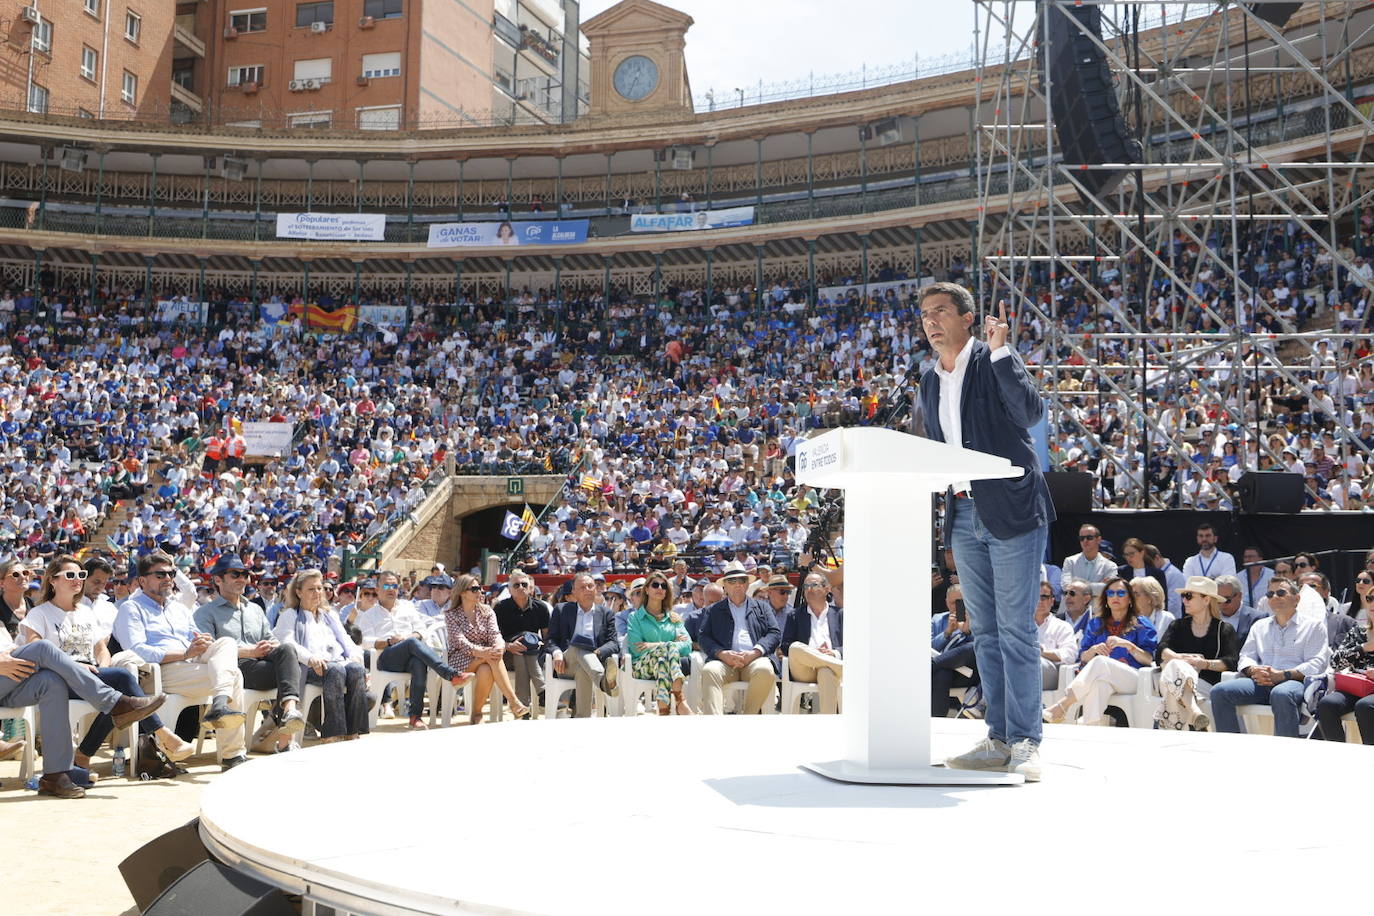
(80,842)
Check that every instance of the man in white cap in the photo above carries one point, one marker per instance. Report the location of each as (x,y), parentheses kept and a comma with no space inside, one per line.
(740,637)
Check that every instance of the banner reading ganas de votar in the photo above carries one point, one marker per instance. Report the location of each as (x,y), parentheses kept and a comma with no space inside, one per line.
(506,232)
(332,227)
(683,222)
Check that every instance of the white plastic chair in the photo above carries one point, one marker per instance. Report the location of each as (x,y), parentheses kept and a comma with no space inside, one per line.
(635,692)
(171,710)
(29,716)
(446,700)
(254,700)
(380,680)
(555,688)
(793,691)
(82,715)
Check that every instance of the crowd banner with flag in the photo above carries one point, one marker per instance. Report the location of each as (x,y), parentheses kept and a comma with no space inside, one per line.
(686,222)
(338,320)
(332,227)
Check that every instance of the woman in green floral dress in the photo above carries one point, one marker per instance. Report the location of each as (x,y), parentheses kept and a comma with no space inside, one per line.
(658,642)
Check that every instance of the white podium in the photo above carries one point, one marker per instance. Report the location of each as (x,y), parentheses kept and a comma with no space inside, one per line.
(888,478)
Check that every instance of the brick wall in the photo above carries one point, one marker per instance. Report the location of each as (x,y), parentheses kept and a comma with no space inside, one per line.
(149,59)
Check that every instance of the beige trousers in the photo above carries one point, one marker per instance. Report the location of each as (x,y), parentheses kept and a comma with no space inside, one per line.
(214,673)
(715,674)
(811,667)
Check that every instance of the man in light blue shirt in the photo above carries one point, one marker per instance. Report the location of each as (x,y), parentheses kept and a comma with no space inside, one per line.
(1281,652)
(162,632)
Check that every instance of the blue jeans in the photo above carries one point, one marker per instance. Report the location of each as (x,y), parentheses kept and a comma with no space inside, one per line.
(54,676)
(1284,699)
(419,659)
(345,699)
(1001,584)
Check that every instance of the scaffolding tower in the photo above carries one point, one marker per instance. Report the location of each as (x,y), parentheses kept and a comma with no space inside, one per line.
(1247,127)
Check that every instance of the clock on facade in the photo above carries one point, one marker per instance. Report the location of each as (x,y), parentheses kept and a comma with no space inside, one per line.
(636,77)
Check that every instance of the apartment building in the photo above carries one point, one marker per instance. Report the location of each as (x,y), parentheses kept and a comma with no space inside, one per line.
(87,58)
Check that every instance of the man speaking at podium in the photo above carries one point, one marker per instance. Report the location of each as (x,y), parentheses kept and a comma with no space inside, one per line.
(979,396)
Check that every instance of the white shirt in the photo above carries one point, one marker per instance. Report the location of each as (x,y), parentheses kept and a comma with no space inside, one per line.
(1057,636)
(1300,646)
(1220,563)
(820,629)
(75,633)
(952,392)
(377,624)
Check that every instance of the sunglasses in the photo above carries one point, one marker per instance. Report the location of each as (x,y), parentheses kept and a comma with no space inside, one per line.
(236,574)
(470,588)
(1189,596)
(1073,591)
(369,594)
(519,585)
(1277,593)
(390,588)
(1122,593)
(71,575)
(658,585)
(161,573)
(1364,580)
(1089,537)
(1044,597)
(18,574)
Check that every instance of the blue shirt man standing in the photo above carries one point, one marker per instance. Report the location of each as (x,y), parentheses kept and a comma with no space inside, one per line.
(979,396)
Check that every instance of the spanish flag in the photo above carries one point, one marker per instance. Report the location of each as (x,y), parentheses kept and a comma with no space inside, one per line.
(527,519)
(317,318)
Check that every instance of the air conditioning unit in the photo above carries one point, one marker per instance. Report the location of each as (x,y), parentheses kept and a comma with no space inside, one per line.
(30,15)
(362,80)
(682,159)
(70,159)
(319,28)
(231,33)
(310,84)
(249,88)
(232,169)
(888,131)
(296,85)
(366,22)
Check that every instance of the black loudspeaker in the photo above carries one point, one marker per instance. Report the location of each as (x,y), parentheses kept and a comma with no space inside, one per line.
(1071,491)
(212,889)
(1276,13)
(1082,95)
(1270,491)
(156,866)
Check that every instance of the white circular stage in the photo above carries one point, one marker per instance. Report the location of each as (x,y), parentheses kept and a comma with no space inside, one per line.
(667,815)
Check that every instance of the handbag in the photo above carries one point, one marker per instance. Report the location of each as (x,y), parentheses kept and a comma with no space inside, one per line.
(1356,685)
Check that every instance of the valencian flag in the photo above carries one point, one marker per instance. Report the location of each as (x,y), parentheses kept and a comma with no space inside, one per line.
(590,483)
(527,519)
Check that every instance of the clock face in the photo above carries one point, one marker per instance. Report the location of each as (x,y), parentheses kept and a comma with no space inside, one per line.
(636,77)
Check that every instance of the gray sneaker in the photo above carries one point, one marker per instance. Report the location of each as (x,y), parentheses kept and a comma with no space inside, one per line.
(1025,759)
(988,754)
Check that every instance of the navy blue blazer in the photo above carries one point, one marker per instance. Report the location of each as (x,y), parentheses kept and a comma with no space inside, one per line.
(997,408)
(797,627)
(717,631)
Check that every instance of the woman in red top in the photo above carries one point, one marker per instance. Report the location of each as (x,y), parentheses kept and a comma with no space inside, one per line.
(475,644)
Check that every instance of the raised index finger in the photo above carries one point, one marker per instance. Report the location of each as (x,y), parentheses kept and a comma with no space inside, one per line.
(1002,310)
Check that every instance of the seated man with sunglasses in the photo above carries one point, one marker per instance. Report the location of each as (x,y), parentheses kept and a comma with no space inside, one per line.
(265,663)
(161,631)
(1281,652)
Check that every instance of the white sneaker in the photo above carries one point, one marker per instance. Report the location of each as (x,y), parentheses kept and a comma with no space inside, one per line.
(1025,759)
(988,754)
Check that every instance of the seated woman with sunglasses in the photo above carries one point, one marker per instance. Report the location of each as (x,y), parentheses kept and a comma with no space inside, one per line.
(334,661)
(62,618)
(1362,605)
(1116,643)
(1193,652)
(475,645)
(1354,657)
(658,642)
